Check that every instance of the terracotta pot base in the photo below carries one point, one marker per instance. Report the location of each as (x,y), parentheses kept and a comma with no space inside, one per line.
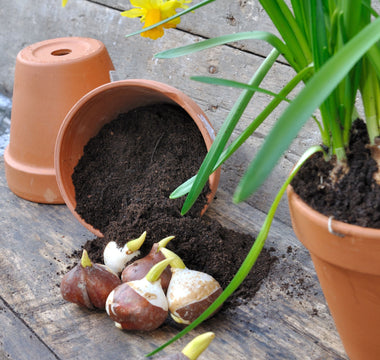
(50,77)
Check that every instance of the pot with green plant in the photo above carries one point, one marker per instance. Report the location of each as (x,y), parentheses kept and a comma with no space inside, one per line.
(333,46)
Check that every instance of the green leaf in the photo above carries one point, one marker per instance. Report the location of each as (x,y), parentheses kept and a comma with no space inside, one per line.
(293,35)
(225,133)
(374,57)
(318,33)
(184,188)
(299,111)
(235,84)
(301,14)
(221,40)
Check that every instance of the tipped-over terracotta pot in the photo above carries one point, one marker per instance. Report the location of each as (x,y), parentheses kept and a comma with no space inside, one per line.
(50,77)
(103,105)
(347,261)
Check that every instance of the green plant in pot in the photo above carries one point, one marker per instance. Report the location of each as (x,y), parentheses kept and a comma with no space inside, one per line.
(334,48)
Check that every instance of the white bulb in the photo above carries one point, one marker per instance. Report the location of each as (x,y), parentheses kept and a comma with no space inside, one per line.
(152,292)
(189,286)
(116,258)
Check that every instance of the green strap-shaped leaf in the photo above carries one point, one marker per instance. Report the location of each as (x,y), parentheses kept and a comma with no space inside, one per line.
(225,132)
(184,188)
(225,39)
(290,31)
(236,84)
(302,107)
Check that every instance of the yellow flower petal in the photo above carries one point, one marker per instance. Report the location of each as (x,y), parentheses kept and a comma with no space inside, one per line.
(64,2)
(172,24)
(153,34)
(144,4)
(152,17)
(153,11)
(133,13)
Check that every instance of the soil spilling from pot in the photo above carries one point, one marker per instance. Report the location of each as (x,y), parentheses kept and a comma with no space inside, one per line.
(123,182)
(354,199)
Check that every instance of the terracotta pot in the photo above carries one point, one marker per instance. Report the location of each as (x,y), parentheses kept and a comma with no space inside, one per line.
(50,77)
(347,261)
(102,105)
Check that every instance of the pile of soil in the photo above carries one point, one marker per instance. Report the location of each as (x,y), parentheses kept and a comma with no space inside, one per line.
(123,182)
(355,198)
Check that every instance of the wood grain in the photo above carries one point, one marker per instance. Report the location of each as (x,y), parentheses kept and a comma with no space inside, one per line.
(134,58)
(287,319)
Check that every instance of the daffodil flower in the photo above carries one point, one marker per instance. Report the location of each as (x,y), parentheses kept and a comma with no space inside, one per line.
(154,11)
(64,2)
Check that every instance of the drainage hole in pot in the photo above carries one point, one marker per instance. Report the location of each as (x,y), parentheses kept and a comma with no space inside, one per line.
(61,52)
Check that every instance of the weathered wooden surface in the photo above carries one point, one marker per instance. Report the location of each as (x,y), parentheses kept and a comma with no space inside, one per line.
(287,319)
(134,58)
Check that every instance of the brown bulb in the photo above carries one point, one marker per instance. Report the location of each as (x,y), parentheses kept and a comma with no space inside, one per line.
(190,292)
(139,268)
(88,284)
(139,304)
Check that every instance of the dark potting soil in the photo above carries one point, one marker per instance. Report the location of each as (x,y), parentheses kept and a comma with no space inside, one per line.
(355,198)
(123,183)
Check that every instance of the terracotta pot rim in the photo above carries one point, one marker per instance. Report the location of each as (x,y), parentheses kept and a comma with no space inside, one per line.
(344,245)
(51,75)
(167,92)
(337,226)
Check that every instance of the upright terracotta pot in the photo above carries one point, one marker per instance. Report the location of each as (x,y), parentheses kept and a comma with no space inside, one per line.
(50,77)
(101,106)
(347,261)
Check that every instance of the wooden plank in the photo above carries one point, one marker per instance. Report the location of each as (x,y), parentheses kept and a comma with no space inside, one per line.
(17,341)
(291,295)
(221,17)
(133,58)
(286,319)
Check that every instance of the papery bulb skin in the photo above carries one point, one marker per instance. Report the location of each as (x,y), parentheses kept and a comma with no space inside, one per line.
(73,287)
(116,257)
(190,293)
(100,281)
(140,304)
(88,284)
(145,309)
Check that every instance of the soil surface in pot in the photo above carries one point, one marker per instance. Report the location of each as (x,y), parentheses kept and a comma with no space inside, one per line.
(355,198)
(123,182)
